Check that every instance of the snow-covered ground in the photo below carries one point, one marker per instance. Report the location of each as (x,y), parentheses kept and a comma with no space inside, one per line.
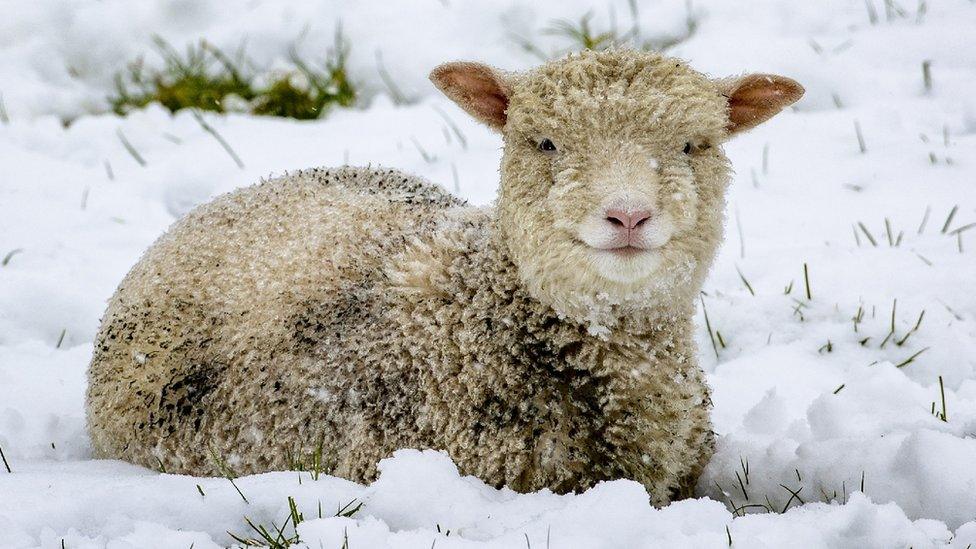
(813,397)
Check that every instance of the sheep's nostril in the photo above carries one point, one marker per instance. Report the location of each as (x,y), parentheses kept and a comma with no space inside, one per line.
(627,220)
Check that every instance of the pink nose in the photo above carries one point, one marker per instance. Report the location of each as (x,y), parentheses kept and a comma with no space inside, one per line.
(628,220)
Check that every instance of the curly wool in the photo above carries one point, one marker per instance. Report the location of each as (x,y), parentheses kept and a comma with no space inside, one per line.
(359,311)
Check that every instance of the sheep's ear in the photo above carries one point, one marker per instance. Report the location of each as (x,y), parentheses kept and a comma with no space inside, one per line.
(478,89)
(755,98)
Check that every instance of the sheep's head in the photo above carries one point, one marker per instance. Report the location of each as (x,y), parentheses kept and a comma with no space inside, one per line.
(613,176)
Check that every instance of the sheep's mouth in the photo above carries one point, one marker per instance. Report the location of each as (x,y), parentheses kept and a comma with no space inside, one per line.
(624,251)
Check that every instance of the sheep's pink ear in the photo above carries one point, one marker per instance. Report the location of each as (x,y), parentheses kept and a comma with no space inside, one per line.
(755,98)
(478,89)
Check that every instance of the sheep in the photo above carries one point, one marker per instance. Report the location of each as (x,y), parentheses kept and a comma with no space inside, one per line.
(543,342)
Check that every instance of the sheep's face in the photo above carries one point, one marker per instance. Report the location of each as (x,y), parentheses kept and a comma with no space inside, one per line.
(613,177)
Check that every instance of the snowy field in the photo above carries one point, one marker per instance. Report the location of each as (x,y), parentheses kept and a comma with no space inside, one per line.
(841,315)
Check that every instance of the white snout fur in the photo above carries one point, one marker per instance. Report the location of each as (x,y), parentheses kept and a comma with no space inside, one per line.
(609,242)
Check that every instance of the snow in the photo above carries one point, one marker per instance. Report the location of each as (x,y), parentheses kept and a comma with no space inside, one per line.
(840,424)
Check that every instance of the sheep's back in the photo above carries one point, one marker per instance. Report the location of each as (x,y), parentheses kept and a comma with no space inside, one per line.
(228,314)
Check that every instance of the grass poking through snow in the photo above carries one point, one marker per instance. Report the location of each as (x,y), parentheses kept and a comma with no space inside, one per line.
(4,459)
(941,415)
(744,281)
(806,281)
(3,111)
(948,221)
(282,537)
(226,471)
(315,462)
(128,147)
(586,33)
(205,78)
(223,142)
(927,75)
(861,145)
(708,326)
(10,255)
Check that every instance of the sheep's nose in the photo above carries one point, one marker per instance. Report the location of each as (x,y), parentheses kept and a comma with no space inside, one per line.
(628,220)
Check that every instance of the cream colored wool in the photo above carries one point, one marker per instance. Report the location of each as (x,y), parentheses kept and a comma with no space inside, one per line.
(363,310)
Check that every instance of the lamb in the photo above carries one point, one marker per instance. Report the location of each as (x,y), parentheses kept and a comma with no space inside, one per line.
(545,342)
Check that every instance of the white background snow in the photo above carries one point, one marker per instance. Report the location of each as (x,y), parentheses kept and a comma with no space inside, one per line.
(806,399)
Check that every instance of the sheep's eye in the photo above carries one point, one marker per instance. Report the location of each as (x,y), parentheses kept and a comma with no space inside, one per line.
(547,146)
(688,148)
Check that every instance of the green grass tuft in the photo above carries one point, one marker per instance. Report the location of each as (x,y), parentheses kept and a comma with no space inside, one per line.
(314,462)
(205,78)
(277,537)
(586,34)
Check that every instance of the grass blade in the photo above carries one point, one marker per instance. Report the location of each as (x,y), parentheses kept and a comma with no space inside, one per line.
(223,143)
(128,146)
(4,458)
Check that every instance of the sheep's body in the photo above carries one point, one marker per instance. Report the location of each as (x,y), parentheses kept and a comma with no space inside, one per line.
(546,342)
(288,316)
